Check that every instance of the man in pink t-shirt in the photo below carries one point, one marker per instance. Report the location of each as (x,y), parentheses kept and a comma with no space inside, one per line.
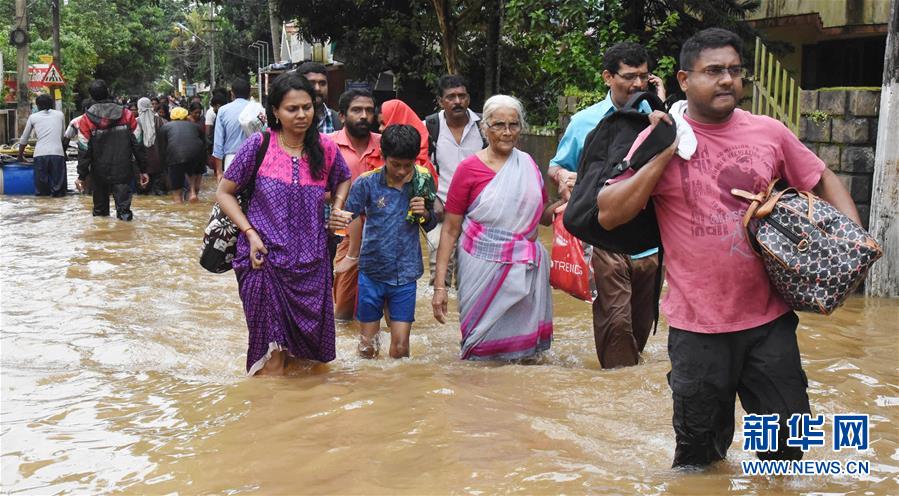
(730,332)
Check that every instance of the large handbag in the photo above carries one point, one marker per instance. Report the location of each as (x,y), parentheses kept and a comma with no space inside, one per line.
(220,235)
(814,255)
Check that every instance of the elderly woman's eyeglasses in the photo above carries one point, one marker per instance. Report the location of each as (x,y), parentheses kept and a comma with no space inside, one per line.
(512,127)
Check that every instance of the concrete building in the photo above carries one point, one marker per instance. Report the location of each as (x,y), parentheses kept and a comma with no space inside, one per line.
(833,42)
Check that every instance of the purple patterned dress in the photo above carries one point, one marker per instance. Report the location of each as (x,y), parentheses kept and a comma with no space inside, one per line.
(287,302)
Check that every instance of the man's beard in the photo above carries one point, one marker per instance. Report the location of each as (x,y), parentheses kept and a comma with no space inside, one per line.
(359,129)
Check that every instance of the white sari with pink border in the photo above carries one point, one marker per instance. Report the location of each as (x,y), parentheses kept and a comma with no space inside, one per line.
(505,304)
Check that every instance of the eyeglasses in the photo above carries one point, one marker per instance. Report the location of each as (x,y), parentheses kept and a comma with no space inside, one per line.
(633,76)
(718,71)
(512,127)
(452,97)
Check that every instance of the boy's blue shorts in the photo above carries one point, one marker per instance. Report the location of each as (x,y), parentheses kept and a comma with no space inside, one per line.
(372,295)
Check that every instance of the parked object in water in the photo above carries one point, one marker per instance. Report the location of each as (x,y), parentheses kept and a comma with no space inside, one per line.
(17,179)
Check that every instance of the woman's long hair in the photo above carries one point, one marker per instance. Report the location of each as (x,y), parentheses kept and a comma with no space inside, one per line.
(280,87)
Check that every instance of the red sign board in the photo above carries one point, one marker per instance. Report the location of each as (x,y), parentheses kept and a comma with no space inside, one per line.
(39,76)
(36,73)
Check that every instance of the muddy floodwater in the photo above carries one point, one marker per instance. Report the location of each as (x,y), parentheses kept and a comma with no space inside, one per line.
(123,372)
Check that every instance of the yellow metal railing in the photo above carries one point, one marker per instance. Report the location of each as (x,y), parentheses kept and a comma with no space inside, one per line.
(774,92)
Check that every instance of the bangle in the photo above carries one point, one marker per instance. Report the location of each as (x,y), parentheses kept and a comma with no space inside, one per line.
(352,258)
(439,289)
(251,228)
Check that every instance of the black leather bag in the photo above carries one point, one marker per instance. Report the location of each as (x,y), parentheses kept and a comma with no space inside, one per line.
(220,235)
(602,159)
(814,255)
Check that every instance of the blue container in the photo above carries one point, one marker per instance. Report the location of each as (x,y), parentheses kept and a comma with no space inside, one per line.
(17,179)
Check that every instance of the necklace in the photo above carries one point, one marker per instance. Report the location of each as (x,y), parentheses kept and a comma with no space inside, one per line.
(285,144)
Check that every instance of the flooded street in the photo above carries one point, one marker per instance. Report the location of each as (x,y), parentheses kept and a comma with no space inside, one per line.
(123,371)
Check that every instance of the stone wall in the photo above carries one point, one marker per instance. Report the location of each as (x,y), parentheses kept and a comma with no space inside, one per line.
(542,147)
(840,126)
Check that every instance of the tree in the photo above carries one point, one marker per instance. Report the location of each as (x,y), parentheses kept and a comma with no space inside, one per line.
(563,40)
(275,21)
(451,17)
(239,24)
(372,36)
(121,41)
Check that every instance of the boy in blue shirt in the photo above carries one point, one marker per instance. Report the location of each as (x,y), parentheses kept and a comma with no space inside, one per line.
(397,199)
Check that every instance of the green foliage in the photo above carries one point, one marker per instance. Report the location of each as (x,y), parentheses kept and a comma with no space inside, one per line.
(239,23)
(585,98)
(373,36)
(123,42)
(563,42)
(819,117)
(550,129)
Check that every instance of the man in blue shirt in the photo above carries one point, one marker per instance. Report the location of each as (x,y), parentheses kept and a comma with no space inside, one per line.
(228,134)
(623,311)
(397,200)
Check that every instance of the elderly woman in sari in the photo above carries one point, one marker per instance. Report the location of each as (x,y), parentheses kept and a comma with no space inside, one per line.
(495,202)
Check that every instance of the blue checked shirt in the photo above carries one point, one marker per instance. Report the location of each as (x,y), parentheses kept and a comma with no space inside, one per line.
(326,124)
(391,250)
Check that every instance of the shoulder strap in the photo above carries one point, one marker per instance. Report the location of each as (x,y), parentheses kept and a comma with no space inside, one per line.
(260,156)
(432,123)
(484,143)
(260,152)
(659,139)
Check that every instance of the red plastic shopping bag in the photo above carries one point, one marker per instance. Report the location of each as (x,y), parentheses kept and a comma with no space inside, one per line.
(570,270)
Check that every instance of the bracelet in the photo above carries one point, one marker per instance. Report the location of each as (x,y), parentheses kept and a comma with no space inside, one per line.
(251,228)
(352,258)
(439,289)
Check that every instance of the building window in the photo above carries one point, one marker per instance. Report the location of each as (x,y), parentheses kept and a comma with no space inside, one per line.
(848,62)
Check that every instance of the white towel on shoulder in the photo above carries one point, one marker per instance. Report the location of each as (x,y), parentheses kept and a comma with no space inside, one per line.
(686,147)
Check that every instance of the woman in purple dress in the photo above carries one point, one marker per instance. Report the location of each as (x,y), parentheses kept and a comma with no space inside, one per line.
(282,268)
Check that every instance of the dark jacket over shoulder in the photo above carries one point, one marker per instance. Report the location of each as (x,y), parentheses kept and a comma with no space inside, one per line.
(106,144)
(181,142)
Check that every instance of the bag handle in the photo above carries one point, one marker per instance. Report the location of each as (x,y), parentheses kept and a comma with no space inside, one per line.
(639,97)
(761,204)
(758,201)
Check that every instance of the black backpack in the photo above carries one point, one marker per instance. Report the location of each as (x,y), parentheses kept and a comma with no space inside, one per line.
(432,123)
(602,159)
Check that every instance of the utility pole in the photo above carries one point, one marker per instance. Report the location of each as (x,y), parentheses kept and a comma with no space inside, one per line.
(23,105)
(883,279)
(211,32)
(54,12)
(57,57)
(274,23)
